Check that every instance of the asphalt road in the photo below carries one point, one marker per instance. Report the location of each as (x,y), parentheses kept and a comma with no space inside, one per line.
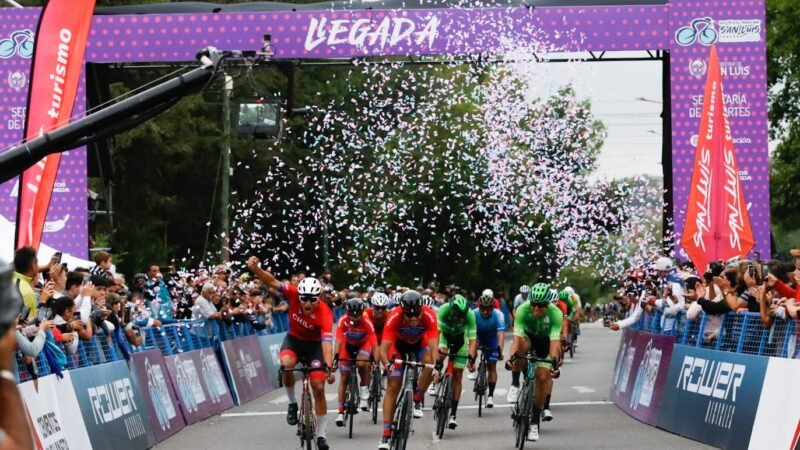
(584,416)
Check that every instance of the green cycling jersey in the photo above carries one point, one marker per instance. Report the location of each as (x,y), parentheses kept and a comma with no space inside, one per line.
(449,325)
(547,326)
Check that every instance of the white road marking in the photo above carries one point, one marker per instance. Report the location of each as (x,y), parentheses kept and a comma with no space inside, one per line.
(497,405)
(584,389)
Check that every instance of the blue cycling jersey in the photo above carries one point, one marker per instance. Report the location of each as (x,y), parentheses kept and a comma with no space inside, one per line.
(491,325)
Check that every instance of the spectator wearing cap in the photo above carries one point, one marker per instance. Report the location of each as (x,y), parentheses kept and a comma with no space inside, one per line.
(26,269)
(670,299)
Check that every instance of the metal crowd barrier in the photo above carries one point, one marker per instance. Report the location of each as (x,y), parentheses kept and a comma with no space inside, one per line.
(731,332)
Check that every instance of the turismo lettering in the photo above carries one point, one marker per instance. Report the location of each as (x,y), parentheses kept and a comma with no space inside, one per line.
(62,60)
(711,378)
(363,32)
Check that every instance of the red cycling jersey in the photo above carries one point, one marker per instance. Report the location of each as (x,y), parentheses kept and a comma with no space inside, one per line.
(398,328)
(378,324)
(355,335)
(497,305)
(314,326)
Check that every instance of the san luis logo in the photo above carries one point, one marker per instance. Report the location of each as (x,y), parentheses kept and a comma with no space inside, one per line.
(707,31)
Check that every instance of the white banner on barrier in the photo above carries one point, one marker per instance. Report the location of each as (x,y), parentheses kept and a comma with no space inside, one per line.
(777,423)
(54,413)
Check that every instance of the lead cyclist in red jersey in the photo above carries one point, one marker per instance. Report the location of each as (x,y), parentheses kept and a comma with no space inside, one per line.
(410,329)
(309,338)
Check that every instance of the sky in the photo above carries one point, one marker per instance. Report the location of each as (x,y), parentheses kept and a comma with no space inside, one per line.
(614,88)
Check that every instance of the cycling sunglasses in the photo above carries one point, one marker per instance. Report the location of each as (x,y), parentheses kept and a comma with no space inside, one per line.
(412,313)
(309,298)
(540,305)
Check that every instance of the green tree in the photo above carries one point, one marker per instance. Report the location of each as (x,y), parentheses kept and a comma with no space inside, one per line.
(783,78)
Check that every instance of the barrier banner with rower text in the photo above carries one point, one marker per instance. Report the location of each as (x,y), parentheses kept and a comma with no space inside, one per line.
(712,396)
(113,407)
(162,403)
(640,373)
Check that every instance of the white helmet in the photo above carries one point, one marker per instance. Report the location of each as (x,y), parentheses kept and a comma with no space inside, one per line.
(524,289)
(663,264)
(380,300)
(488,293)
(309,286)
(570,290)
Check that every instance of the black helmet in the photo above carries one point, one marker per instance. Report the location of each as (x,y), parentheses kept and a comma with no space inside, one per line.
(411,302)
(355,306)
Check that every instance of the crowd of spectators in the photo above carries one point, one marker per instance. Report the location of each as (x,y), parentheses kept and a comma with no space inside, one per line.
(64,306)
(670,299)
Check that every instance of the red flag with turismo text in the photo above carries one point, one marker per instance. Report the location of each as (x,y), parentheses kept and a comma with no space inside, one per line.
(55,72)
(717,224)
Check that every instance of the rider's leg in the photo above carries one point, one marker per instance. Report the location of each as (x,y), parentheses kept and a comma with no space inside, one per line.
(389,403)
(458,374)
(289,361)
(426,376)
(320,403)
(345,371)
(492,369)
(542,374)
(549,392)
(364,367)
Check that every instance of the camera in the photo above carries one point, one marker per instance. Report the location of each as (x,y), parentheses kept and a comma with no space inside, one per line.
(64,328)
(606,320)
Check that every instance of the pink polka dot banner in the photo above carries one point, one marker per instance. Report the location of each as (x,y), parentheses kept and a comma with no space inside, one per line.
(738,29)
(685,28)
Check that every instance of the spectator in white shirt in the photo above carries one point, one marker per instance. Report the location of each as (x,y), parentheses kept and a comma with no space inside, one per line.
(204,307)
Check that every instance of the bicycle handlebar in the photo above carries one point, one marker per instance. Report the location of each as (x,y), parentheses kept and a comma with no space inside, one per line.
(411,363)
(304,369)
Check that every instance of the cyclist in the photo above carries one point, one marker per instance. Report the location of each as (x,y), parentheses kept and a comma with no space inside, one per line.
(309,338)
(378,313)
(521,298)
(355,339)
(427,300)
(490,327)
(457,335)
(410,329)
(537,328)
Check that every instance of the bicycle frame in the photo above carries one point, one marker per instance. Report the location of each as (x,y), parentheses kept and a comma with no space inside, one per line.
(402,412)
(307,423)
(522,413)
(351,394)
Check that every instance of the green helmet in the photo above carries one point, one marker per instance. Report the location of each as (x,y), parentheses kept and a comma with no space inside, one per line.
(564,295)
(539,293)
(459,304)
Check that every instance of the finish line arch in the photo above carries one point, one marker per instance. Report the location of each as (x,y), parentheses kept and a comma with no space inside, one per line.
(679,32)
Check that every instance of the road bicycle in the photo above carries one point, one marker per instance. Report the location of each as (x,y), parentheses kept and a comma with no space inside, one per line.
(351,397)
(482,381)
(522,411)
(444,395)
(572,338)
(307,425)
(375,392)
(403,412)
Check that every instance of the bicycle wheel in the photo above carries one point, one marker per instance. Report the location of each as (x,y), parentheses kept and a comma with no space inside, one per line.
(353,401)
(307,436)
(571,348)
(375,395)
(527,412)
(522,419)
(445,396)
(480,387)
(402,422)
